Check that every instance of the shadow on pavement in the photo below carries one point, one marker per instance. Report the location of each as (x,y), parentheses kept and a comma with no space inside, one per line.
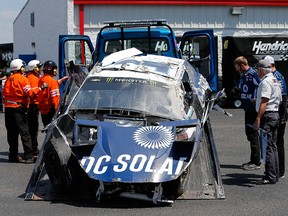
(241,177)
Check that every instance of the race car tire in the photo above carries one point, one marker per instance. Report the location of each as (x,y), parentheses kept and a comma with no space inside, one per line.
(177,187)
(56,158)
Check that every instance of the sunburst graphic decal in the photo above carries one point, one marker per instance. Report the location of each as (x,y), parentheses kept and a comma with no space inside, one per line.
(154,137)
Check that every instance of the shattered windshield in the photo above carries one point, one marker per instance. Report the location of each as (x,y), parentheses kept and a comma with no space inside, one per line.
(145,96)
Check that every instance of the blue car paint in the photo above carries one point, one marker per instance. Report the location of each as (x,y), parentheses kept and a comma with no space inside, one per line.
(117,157)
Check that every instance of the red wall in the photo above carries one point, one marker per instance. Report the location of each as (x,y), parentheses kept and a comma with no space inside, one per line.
(274,3)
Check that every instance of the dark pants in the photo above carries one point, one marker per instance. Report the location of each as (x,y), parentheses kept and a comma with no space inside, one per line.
(47,118)
(1,101)
(252,136)
(33,122)
(280,135)
(280,148)
(270,122)
(16,123)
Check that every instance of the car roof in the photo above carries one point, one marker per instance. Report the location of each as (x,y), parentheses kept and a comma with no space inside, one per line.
(144,66)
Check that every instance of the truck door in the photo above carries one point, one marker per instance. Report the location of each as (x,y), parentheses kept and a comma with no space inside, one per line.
(77,49)
(75,57)
(199,49)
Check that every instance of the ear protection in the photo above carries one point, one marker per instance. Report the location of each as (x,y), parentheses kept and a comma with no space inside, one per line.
(36,70)
(54,72)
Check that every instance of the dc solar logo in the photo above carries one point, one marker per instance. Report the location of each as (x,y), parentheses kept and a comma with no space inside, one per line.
(154,137)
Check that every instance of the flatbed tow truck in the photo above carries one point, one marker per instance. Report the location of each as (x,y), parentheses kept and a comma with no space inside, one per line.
(151,37)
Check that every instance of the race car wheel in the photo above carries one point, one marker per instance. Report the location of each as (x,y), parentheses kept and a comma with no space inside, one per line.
(177,187)
(56,158)
(181,182)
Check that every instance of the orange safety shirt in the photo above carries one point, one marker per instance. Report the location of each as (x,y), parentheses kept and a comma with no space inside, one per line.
(49,97)
(16,91)
(34,82)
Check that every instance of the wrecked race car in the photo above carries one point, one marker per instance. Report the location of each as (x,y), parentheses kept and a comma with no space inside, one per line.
(135,126)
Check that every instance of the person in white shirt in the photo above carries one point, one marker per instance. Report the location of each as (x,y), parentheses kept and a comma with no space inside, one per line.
(282,116)
(268,100)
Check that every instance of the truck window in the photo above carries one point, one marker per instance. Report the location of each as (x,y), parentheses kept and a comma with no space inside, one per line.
(196,52)
(158,45)
(78,52)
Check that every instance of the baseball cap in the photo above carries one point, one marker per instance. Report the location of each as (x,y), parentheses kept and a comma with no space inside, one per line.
(270,59)
(263,63)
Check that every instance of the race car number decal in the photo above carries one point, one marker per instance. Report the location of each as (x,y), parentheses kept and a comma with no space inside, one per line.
(138,163)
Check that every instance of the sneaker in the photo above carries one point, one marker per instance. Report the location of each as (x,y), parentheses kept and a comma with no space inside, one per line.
(264,182)
(282,176)
(27,160)
(250,166)
(245,164)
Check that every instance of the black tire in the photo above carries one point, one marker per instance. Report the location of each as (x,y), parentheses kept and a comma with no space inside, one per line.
(56,158)
(177,187)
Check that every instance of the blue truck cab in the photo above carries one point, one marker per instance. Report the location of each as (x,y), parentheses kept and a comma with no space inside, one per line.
(150,37)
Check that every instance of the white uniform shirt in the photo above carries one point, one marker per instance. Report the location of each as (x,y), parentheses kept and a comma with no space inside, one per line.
(269,88)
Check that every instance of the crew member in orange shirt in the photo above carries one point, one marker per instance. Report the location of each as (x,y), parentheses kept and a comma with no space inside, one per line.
(49,98)
(33,111)
(16,91)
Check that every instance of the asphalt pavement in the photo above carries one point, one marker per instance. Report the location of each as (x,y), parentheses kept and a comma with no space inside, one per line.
(243,196)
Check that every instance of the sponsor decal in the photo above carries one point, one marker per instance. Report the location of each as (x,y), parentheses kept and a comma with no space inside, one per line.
(95,80)
(153,83)
(109,79)
(161,46)
(246,96)
(136,163)
(276,48)
(154,137)
(8,56)
(130,80)
(126,80)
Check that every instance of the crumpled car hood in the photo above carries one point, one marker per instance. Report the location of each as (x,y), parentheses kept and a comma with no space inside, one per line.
(137,154)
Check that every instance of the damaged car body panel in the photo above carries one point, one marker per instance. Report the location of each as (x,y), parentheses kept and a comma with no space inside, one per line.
(137,128)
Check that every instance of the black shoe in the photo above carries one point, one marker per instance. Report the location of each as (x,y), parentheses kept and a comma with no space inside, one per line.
(264,182)
(16,159)
(35,152)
